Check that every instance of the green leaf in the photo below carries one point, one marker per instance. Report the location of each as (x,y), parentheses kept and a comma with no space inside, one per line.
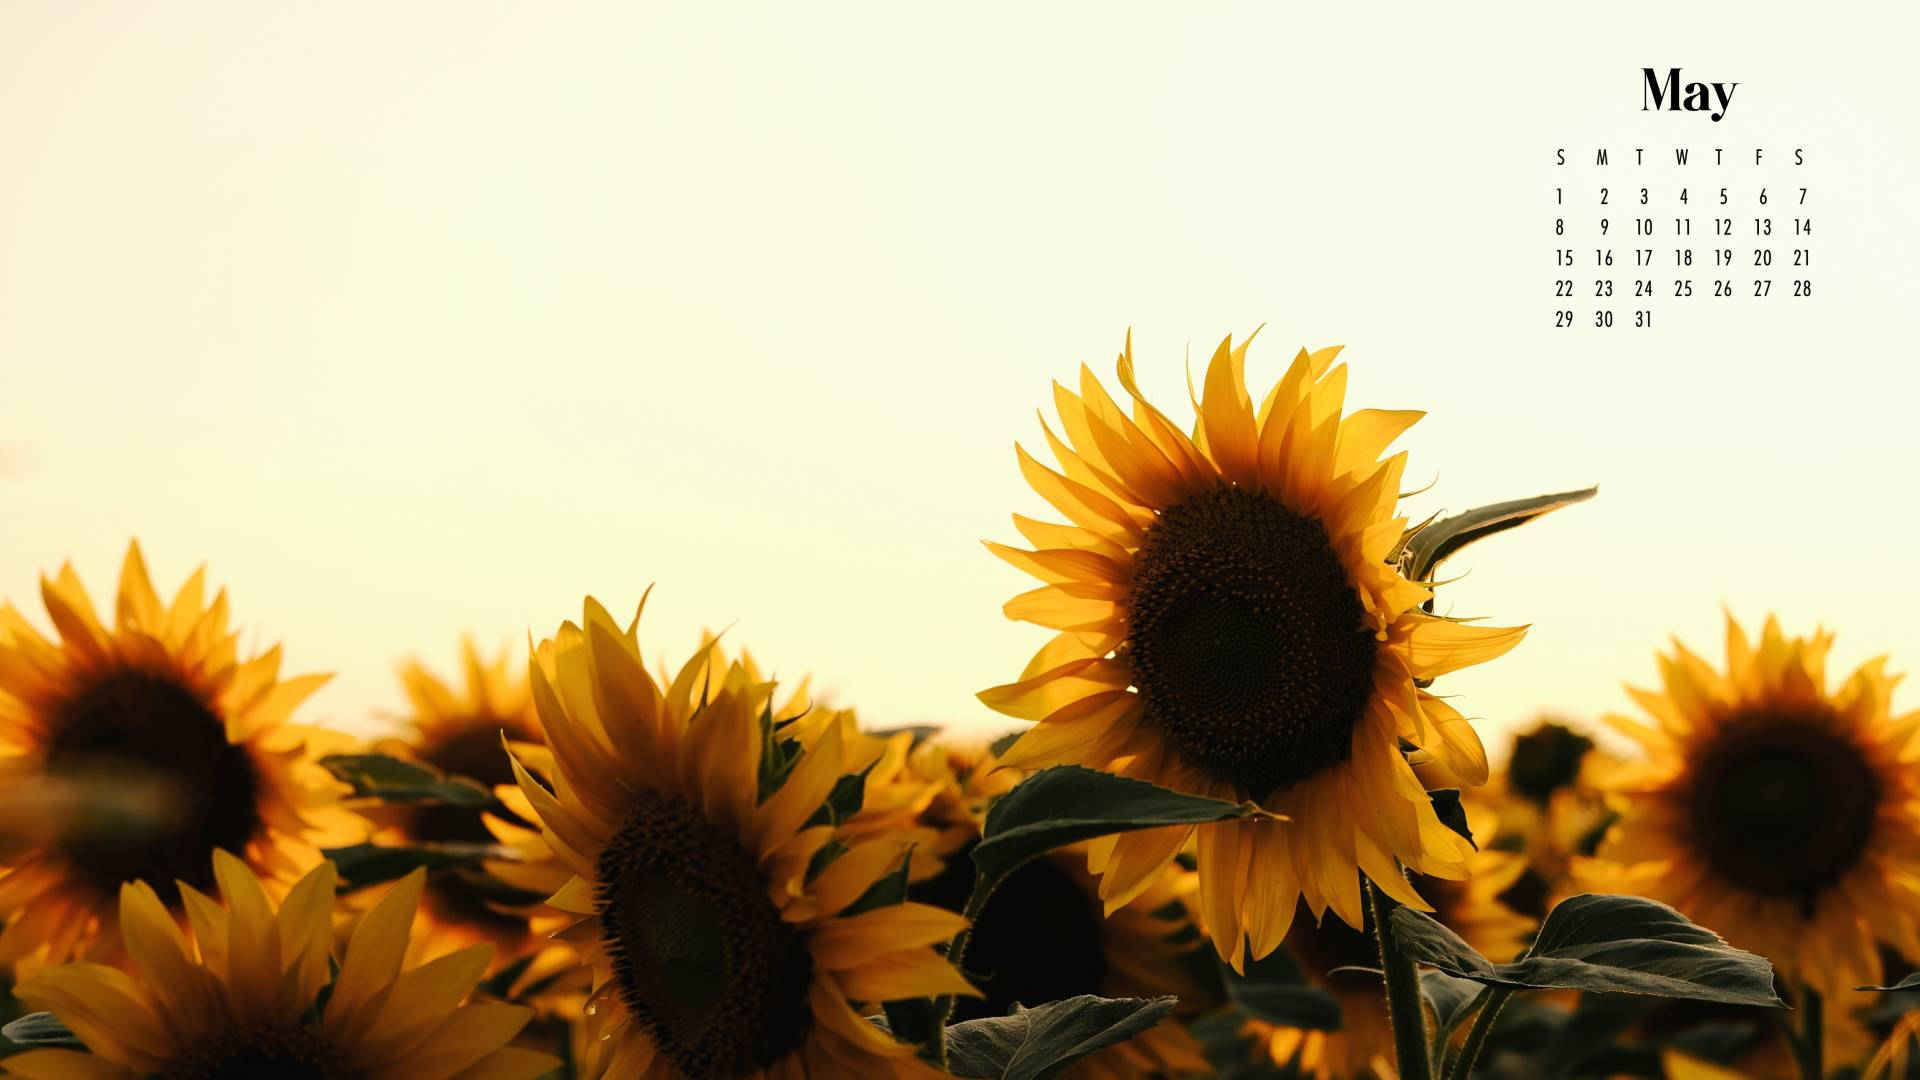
(1068,803)
(1911,982)
(1627,944)
(390,779)
(369,864)
(1043,1042)
(1446,803)
(1452,1000)
(42,1029)
(1429,545)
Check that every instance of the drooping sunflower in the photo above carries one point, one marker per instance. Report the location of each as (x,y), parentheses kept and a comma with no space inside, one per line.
(459,732)
(1044,936)
(1232,621)
(161,699)
(243,998)
(711,902)
(1781,813)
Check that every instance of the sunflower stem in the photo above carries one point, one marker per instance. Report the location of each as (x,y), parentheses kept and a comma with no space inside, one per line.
(1405,1011)
(1813,1065)
(956,950)
(1477,1035)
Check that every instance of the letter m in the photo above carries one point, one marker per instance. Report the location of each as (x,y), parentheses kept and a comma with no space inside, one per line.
(1660,94)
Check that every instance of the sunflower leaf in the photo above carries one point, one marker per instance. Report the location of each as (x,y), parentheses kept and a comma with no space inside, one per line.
(361,865)
(1068,803)
(1627,944)
(1045,1041)
(1429,545)
(1452,1000)
(390,779)
(1911,982)
(41,1029)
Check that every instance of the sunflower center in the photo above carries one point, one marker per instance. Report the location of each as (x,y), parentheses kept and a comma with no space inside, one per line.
(700,953)
(282,1051)
(1781,805)
(1037,940)
(1546,760)
(141,724)
(476,754)
(1247,642)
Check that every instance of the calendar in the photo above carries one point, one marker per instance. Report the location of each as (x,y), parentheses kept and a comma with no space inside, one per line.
(1684,230)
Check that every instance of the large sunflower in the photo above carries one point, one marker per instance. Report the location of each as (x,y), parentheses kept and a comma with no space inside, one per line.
(1233,622)
(710,906)
(161,697)
(1043,935)
(458,731)
(246,1002)
(1781,813)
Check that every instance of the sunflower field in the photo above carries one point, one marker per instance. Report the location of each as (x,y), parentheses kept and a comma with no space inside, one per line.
(1236,827)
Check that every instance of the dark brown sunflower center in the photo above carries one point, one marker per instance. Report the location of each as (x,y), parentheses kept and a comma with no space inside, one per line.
(476,754)
(1037,940)
(1545,760)
(145,726)
(700,954)
(282,1051)
(1781,805)
(1247,641)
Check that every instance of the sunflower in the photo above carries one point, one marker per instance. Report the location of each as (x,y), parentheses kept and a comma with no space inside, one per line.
(1780,813)
(1232,622)
(1044,937)
(246,1002)
(1546,805)
(710,906)
(162,700)
(458,731)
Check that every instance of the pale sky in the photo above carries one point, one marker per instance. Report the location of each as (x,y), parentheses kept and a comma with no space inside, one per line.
(419,319)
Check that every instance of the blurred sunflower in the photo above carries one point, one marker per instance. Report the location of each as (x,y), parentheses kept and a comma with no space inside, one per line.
(1233,622)
(458,732)
(709,906)
(1782,814)
(161,701)
(1547,806)
(1043,935)
(1363,1044)
(246,1002)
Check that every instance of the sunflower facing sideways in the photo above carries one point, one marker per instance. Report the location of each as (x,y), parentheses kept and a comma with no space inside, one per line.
(1780,812)
(161,698)
(1232,621)
(711,900)
(243,998)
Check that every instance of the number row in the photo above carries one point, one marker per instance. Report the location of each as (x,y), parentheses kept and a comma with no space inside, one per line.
(1721,287)
(1681,257)
(1643,226)
(1606,197)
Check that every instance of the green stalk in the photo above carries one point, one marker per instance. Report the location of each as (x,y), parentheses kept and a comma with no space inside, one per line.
(1477,1035)
(1405,1011)
(956,951)
(1813,1064)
